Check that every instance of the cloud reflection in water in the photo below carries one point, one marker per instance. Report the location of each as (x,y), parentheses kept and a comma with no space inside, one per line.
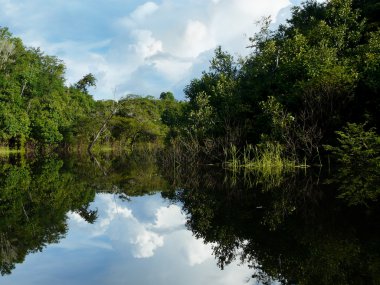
(144,241)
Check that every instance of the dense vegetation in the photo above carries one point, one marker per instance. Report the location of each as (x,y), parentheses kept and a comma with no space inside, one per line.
(308,87)
(312,82)
(39,110)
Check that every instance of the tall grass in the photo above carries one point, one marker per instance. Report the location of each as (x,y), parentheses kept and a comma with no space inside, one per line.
(267,158)
(232,158)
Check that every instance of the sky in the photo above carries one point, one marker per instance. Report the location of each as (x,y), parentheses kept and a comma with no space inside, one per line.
(136,46)
(144,241)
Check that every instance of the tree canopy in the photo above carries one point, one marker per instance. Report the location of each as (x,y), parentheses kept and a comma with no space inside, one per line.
(300,84)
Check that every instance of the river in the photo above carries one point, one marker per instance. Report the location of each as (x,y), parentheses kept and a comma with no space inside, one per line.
(125,220)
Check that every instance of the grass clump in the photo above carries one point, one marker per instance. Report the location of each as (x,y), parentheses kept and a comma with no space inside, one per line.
(267,158)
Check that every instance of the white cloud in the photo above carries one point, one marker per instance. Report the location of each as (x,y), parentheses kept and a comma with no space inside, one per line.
(76,218)
(143,11)
(145,44)
(169,217)
(146,243)
(139,15)
(117,40)
(172,69)
(197,251)
(196,39)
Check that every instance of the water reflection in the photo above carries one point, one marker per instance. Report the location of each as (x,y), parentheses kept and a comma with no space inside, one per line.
(143,241)
(294,230)
(77,221)
(117,220)
(33,207)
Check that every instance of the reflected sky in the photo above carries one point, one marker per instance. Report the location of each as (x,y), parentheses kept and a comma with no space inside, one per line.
(143,241)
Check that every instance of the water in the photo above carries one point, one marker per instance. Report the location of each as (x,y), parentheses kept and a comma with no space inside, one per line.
(143,241)
(124,220)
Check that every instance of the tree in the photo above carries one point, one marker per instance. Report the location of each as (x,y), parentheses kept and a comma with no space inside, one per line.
(214,101)
(320,69)
(167,96)
(87,81)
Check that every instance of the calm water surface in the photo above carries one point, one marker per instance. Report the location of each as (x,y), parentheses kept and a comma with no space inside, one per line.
(124,220)
(143,241)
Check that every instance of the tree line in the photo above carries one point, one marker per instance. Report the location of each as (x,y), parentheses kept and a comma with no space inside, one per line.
(310,86)
(38,110)
(311,83)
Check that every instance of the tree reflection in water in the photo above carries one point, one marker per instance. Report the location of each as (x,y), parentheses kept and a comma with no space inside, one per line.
(37,194)
(34,200)
(292,228)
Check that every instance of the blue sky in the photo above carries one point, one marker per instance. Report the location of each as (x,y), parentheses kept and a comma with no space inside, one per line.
(135,46)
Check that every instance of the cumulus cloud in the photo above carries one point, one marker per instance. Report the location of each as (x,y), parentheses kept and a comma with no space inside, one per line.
(169,217)
(117,40)
(119,224)
(146,242)
(197,252)
(196,39)
(145,44)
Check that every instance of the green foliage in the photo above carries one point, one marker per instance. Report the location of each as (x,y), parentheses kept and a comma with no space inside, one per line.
(138,119)
(167,96)
(121,125)
(357,147)
(34,101)
(14,121)
(278,119)
(37,195)
(267,158)
(6,52)
(173,116)
(201,116)
(370,10)
(87,81)
(358,156)
(299,85)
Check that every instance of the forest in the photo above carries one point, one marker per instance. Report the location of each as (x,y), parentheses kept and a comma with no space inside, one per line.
(39,112)
(306,89)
